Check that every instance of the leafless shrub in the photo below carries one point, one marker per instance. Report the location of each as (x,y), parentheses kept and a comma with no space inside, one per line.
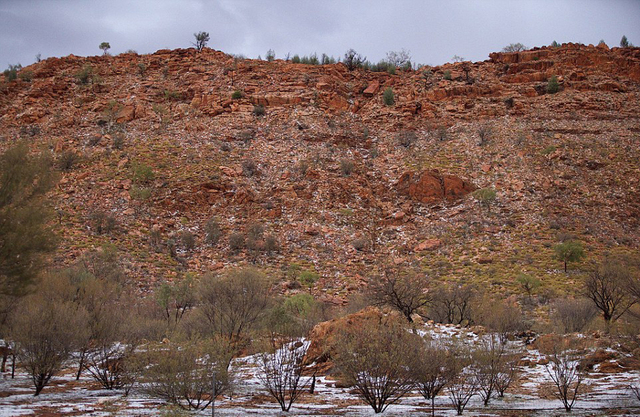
(432,371)
(236,242)
(407,138)
(183,374)
(376,360)
(573,315)
(484,134)
(463,383)
(607,287)
(453,304)
(188,240)
(405,291)
(281,372)
(249,167)
(494,368)
(565,372)
(102,222)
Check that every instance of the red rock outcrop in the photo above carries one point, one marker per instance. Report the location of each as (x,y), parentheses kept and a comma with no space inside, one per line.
(431,187)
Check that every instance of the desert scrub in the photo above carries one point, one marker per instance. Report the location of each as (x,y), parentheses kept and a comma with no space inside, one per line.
(553,86)
(388,97)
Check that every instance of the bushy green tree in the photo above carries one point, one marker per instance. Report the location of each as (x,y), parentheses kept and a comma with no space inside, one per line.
(105,47)
(569,251)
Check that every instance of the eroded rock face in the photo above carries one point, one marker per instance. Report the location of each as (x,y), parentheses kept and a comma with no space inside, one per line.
(431,187)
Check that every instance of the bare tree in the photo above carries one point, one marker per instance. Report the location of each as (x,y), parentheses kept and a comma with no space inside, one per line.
(281,372)
(405,292)
(376,360)
(565,372)
(399,59)
(432,371)
(463,383)
(176,298)
(453,304)
(514,47)
(490,360)
(607,287)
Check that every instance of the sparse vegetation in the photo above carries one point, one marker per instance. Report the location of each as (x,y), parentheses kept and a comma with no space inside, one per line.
(201,40)
(514,47)
(553,86)
(388,97)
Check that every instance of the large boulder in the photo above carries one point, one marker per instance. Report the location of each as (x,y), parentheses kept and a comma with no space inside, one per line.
(431,187)
(324,335)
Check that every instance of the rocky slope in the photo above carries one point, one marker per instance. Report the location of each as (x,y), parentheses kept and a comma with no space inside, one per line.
(154,146)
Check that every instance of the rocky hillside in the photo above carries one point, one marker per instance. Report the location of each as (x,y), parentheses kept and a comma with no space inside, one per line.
(330,182)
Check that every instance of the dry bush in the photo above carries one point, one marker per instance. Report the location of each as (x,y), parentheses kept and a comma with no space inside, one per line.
(376,359)
(453,304)
(463,383)
(281,372)
(404,291)
(608,287)
(45,331)
(573,315)
(183,374)
(234,304)
(432,371)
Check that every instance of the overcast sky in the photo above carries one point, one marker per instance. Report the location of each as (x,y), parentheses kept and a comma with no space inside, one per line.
(433,31)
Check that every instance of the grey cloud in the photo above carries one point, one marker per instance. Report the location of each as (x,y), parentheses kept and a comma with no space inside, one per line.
(433,31)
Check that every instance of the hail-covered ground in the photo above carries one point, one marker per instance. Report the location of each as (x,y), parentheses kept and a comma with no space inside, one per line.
(533,394)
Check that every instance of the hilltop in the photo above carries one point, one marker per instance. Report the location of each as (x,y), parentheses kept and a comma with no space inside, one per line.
(309,167)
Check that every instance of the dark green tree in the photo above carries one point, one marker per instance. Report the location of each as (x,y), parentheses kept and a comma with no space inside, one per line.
(25,235)
(624,42)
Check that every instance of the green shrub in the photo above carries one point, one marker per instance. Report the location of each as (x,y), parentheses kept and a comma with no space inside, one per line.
(308,278)
(236,95)
(569,251)
(388,97)
(259,110)
(140,193)
(85,75)
(549,149)
(447,75)
(105,47)
(624,42)
(212,231)
(346,167)
(555,44)
(142,173)
(270,56)
(485,196)
(295,59)
(553,86)
(26,76)
(11,73)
